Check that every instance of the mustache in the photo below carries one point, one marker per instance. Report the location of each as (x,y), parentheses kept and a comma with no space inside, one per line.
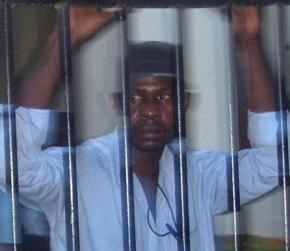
(150,126)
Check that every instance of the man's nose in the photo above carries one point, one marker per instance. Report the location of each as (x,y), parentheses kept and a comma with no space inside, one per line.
(151,110)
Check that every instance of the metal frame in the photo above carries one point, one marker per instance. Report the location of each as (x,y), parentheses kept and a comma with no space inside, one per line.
(156,3)
(126,171)
(10,130)
(69,157)
(127,193)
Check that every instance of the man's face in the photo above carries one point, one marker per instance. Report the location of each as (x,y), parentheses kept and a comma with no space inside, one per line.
(152,112)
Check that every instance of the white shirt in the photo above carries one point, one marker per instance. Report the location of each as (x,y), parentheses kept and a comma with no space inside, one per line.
(41,182)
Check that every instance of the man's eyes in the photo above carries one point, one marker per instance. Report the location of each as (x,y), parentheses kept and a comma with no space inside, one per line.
(164,97)
(135,97)
(161,97)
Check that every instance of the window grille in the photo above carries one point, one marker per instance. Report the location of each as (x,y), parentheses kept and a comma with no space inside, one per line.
(180,157)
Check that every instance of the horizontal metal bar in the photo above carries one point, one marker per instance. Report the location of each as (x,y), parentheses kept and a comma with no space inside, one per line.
(158,3)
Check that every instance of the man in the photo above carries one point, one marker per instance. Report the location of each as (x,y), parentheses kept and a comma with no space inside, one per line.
(152,122)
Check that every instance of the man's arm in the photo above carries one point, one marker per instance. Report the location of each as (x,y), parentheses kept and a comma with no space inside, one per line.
(37,89)
(258,170)
(251,59)
(40,172)
(257,166)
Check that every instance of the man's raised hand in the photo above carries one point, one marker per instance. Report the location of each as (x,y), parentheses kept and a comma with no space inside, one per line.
(251,59)
(38,87)
(86,21)
(246,24)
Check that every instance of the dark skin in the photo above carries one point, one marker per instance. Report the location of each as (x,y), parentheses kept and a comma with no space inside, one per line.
(152,112)
(151,98)
(152,127)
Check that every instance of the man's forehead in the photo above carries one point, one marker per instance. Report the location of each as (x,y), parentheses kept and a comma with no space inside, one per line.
(152,82)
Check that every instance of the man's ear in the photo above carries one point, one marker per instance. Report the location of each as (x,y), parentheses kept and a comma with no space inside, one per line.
(114,101)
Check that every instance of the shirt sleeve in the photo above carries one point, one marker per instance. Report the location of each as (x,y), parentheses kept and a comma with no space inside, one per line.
(257,167)
(262,129)
(32,128)
(39,171)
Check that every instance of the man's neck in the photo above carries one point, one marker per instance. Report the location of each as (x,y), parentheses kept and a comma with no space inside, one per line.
(146,168)
(146,164)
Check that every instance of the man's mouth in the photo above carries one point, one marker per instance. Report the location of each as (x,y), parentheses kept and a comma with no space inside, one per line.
(148,129)
(151,132)
(150,135)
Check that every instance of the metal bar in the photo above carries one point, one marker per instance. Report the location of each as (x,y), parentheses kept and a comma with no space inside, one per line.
(10,129)
(157,3)
(181,188)
(126,172)
(70,172)
(232,161)
(282,146)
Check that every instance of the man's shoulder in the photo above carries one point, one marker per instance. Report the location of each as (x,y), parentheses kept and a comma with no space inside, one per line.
(104,144)
(205,158)
(97,158)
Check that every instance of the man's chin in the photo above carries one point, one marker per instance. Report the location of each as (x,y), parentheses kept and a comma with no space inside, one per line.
(149,147)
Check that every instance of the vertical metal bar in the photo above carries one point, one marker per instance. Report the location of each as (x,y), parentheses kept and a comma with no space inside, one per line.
(180,160)
(70,172)
(126,172)
(10,128)
(282,148)
(232,161)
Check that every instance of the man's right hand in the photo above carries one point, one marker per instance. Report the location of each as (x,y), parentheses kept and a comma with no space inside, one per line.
(38,88)
(246,25)
(85,22)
